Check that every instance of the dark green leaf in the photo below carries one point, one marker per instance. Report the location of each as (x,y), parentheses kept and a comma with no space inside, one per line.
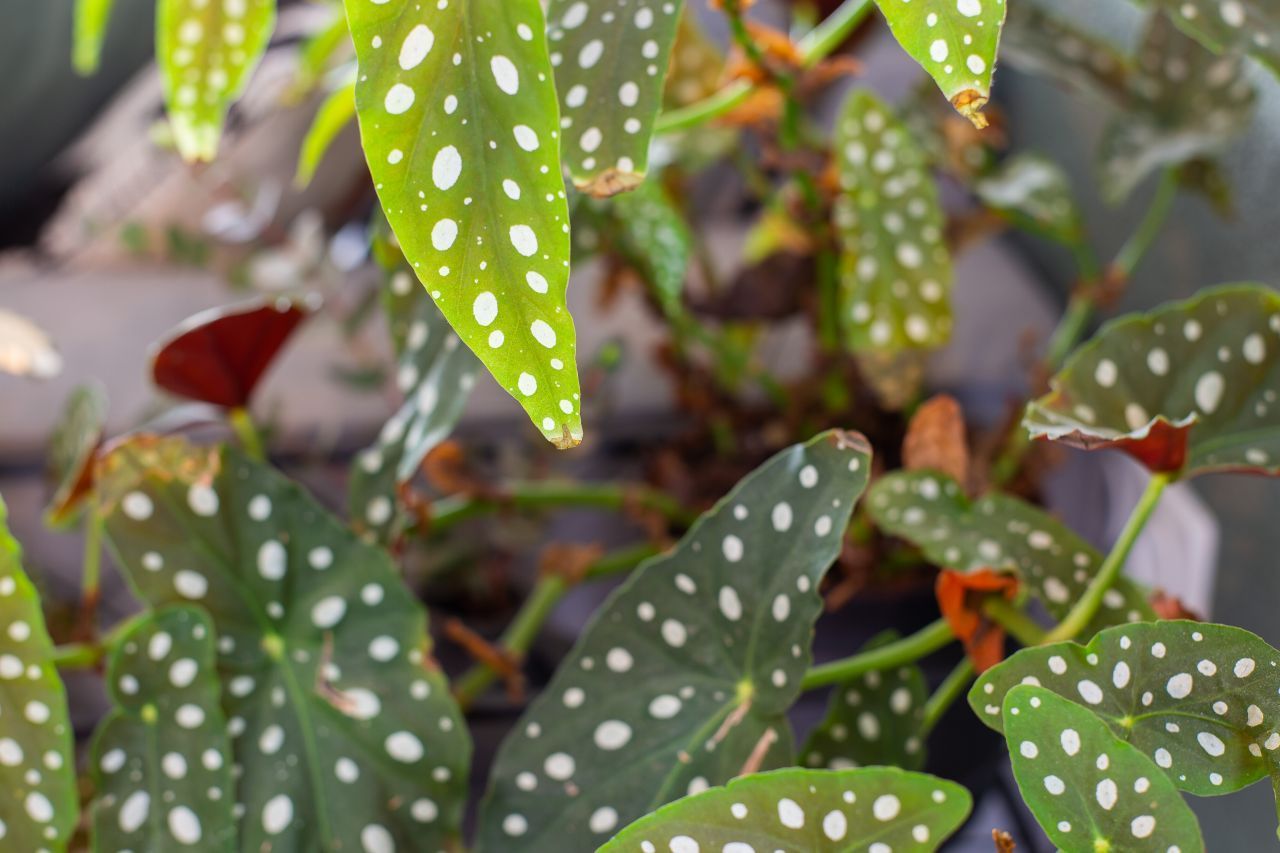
(72,449)
(337,111)
(654,237)
(344,727)
(92,17)
(161,761)
(876,809)
(207,52)
(876,718)
(895,267)
(1187,388)
(1241,26)
(1000,532)
(460,124)
(37,766)
(1043,44)
(1088,789)
(686,672)
(1035,194)
(610,65)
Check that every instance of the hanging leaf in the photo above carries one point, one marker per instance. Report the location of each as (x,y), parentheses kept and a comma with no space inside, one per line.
(335,113)
(955,43)
(1088,789)
(817,811)
(1034,194)
(1187,388)
(207,52)
(1199,699)
(218,356)
(1241,26)
(895,268)
(462,136)
(610,65)
(161,760)
(344,727)
(37,766)
(684,676)
(1183,102)
(1001,532)
(1043,44)
(874,719)
(92,17)
(73,448)
(655,238)
(25,350)
(435,374)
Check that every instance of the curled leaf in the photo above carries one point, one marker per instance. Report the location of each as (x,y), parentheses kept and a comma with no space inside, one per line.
(960,598)
(73,449)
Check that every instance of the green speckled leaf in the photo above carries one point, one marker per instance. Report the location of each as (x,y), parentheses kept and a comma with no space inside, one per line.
(610,59)
(346,730)
(207,50)
(1240,26)
(653,236)
(460,124)
(37,766)
(435,373)
(92,17)
(161,761)
(1044,44)
(1000,532)
(955,41)
(895,269)
(817,811)
(336,111)
(874,719)
(689,668)
(1187,388)
(1088,789)
(72,449)
(1034,194)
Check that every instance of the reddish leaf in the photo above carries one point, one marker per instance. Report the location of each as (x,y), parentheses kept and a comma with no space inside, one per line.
(960,597)
(218,356)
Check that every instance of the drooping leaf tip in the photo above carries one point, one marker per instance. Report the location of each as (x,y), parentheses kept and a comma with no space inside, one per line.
(969,103)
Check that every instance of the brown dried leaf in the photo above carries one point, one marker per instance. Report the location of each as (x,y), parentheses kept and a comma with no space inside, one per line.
(936,441)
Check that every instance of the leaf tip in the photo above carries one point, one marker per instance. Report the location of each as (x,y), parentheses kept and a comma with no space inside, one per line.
(969,103)
(609,183)
(567,439)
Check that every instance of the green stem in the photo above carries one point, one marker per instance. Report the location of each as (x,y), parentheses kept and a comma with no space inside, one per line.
(247,432)
(451,511)
(907,650)
(831,33)
(78,656)
(951,689)
(1013,619)
(1087,606)
(1136,247)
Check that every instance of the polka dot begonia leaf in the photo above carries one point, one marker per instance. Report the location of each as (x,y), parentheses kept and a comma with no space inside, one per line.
(207,51)
(955,41)
(91,19)
(654,237)
(345,729)
(895,267)
(460,124)
(1199,699)
(435,373)
(1088,789)
(876,809)
(1034,194)
(37,766)
(684,676)
(1183,102)
(610,59)
(1042,43)
(1243,26)
(72,449)
(1187,388)
(1000,532)
(874,719)
(161,761)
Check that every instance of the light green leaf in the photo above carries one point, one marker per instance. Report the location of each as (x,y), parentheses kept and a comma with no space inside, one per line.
(334,114)
(92,17)
(1188,388)
(460,124)
(955,42)
(876,718)
(1034,194)
(345,729)
(1088,789)
(610,66)
(161,760)
(72,449)
(207,51)
(685,674)
(817,811)
(1000,532)
(895,267)
(1240,26)
(37,765)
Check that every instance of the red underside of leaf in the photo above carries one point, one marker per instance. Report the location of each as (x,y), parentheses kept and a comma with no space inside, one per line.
(221,360)
(1163,449)
(80,488)
(960,596)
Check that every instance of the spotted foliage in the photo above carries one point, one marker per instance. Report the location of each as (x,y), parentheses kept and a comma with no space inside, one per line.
(345,729)
(654,238)
(1187,388)
(1034,194)
(460,124)
(1243,26)
(37,766)
(435,373)
(161,761)
(684,675)
(1042,43)
(1089,789)
(874,719)
(876,809)
(610,61)
(207,50)
(92,17)
(956,42)
(72,449)
(1001,532)
(894,266)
